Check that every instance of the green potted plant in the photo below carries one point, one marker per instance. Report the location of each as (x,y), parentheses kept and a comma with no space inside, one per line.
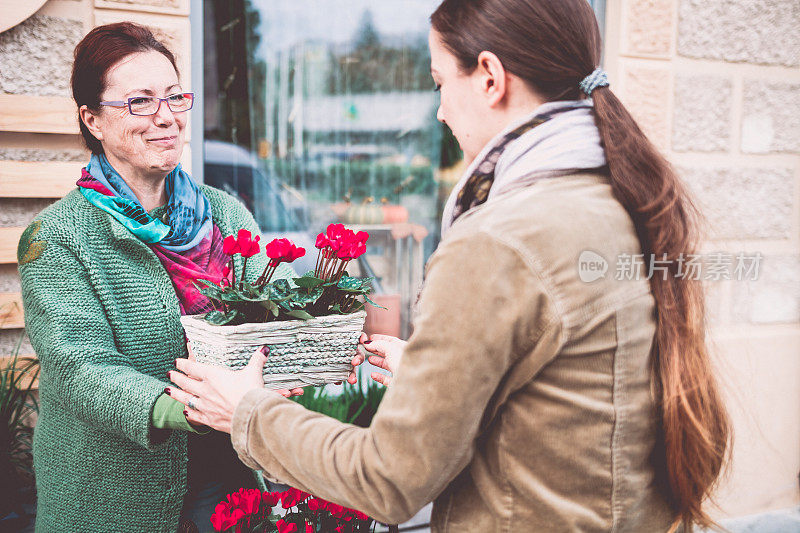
(311,323)
(18,377)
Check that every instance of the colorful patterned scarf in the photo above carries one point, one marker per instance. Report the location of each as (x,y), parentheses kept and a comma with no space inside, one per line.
(185,240)
(556,139)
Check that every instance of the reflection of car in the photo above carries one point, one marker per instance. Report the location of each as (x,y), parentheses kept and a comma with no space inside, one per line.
(277,209)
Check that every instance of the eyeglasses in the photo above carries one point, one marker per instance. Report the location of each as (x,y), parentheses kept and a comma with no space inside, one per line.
(149,105)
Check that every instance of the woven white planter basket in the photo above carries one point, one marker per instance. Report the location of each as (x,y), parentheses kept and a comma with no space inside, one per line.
(302,352)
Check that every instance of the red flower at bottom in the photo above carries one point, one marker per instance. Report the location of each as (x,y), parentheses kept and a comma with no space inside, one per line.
(293,496)
(286,527)
(224,518)
(272,498)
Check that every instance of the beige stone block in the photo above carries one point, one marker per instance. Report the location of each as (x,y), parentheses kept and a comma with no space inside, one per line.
(646,94)
(770,117)
(754,31)
(759,371)
(648,27)
(175,7)
(9,278)
(170,30)
(36,56)
(14,341)
(744,203)
(773,298)
(702,116)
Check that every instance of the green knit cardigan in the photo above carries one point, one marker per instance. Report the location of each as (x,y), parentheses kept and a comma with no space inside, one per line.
(103,318)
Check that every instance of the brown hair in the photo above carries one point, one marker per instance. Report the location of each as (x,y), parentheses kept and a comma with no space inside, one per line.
(552,46)
(102,48)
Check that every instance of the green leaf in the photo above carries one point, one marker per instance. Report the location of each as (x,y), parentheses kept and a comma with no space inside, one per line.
(349,284)
(211,292)
(231,297)
(308,281)
(206,282)
(218,318)
(268,304)
(299,313)
(304,298)
(373,303)
(280,289)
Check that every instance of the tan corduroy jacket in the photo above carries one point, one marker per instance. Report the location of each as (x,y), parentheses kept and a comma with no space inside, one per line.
(522,402)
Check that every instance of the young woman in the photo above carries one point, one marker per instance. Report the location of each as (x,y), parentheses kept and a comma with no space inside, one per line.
(529,398)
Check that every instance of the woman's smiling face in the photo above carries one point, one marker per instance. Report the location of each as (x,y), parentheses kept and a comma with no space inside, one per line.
(146,145)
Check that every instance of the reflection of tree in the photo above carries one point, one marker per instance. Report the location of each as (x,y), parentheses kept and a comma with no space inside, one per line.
(237,84)
(374,65)
(367,36)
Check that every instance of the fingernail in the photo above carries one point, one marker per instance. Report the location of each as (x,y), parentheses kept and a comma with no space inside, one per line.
(168,373)
(185,413)
(367,342)
(166,391)
(265,350)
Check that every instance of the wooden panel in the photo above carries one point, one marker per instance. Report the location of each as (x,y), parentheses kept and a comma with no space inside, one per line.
(170,7)
(38,114)
(30,179)
(11,315)
(5,361)
(9,237)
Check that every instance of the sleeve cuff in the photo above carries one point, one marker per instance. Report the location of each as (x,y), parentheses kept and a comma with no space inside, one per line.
(254,400)
(168,414)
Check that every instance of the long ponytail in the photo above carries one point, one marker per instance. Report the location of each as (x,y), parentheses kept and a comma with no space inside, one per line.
(553,46)
(695,425)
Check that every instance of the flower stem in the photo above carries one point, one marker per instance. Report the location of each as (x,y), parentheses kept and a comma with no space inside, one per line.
(244,269)
(233,273)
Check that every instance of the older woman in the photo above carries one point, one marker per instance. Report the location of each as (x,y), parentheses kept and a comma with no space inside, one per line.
(530,397)
(106,274)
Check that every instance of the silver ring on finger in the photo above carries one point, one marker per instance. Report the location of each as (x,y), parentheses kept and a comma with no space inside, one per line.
(191,405)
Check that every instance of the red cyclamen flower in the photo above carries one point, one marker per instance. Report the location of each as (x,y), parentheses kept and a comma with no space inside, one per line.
(225,518)
(316,504)
(351,250)
(250,501)
(336,509)
(293,496)
(243,244)
(283,251)
(362,237)
(272,498)
(230,245)
(334,231)
(286,527)
(322,241)
(248,246)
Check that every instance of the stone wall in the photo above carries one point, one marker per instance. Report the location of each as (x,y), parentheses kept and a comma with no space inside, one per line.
(35,66)
(716,86)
